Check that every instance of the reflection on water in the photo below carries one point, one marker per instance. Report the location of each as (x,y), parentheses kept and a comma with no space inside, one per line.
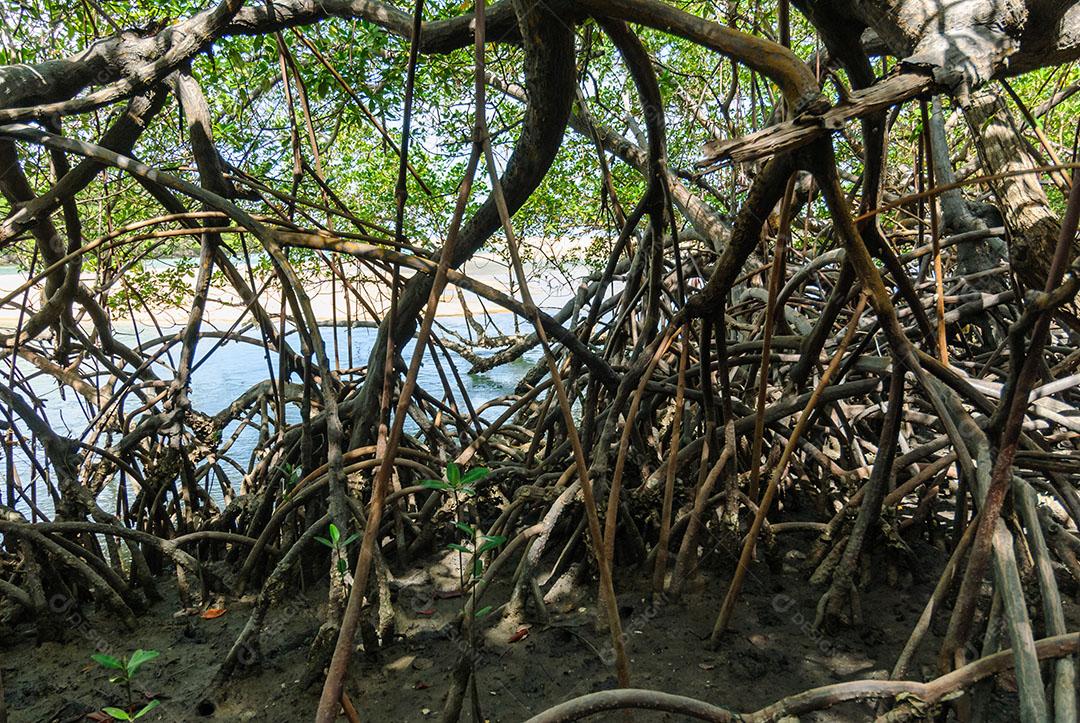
(233,367)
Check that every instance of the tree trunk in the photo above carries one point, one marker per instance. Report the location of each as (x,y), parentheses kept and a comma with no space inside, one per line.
(1033,226)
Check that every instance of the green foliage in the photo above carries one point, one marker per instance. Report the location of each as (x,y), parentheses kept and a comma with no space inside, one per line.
(335,541)
(705,96)
(473,544)
(291,474)
(340,547)
(454,481)
(128,667)
(118,714)
(159,288)
(126,670)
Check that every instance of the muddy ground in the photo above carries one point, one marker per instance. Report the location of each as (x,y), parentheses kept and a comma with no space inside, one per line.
(772,651)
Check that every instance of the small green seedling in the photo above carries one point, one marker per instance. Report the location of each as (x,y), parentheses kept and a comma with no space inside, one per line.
(127,669)
(455,482)
(339,545)
(290,475)
(474,544)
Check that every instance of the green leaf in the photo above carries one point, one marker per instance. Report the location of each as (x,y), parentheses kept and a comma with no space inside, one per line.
(482,611)
(478,567)
(467,529)
(288,471)
(117,714)
(470,491)
(475,475)
(350,539)
(342,566)
(460,548)
(108,661)
(453,474)
(335,534)
(147,708)
(490,542)
(434,484)
(138,658)
(324,541)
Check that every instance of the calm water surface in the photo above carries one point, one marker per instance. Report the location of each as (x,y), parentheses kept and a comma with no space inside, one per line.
(232,368)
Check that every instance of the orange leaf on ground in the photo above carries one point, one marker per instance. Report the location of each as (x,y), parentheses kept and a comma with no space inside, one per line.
(212,613)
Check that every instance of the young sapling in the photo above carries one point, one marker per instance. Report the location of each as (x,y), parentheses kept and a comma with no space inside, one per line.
(339,547)
(126,669)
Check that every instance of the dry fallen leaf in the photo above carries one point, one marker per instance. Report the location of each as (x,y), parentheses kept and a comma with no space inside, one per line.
(212,613)
(521,634)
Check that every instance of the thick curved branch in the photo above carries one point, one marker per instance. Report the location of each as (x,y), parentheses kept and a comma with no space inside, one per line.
(795,79)
(136,71)
(131,61)
(549,83)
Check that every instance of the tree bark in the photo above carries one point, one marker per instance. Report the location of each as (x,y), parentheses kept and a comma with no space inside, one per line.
(1033,226)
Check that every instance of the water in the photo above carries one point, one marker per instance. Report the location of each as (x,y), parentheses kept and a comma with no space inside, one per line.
(232,368)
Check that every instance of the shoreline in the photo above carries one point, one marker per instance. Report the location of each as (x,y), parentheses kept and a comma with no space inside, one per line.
(224,306)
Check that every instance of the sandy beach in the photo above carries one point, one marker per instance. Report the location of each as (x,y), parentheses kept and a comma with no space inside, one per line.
(550,289)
